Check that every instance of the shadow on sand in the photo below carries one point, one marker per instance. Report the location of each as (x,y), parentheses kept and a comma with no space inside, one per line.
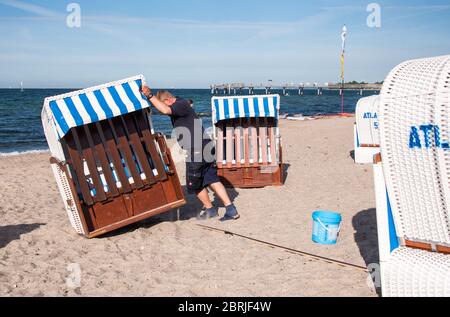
(11,233)
(366,237)
(189,211)
(286,167)
(352,154)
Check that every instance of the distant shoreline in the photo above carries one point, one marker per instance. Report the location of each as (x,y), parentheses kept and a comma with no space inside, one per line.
(206,89)
(17,108)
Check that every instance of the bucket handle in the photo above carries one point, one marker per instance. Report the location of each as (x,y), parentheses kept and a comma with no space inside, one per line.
(325,227)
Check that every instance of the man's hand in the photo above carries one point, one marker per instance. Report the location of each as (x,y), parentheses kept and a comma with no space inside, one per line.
(147,91)
(158,104)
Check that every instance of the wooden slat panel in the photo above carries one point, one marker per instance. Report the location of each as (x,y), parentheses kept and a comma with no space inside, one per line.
(124,146)
(254,142)
(70,166)
(139,150)
(163,146)
(150,144)
(237,142)
(105,164)
(77,164)
(242,148)
(172,188)
(230,144)
(219,144)
(88,154)
(113,152)
(263,139)
(246,144)
(272,139)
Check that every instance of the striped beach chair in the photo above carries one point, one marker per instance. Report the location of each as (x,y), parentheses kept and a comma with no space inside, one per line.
(111,168)
(247,139)
(366,135)
(412,179)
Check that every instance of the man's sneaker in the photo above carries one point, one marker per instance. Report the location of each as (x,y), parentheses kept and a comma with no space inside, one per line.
(231,213)
(208,213)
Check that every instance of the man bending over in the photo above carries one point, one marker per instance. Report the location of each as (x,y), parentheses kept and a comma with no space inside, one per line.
(201,172)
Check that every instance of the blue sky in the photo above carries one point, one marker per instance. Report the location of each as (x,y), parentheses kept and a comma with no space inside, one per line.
(194,43)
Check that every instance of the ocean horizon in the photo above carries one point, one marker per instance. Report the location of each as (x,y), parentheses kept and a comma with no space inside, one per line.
(20,111)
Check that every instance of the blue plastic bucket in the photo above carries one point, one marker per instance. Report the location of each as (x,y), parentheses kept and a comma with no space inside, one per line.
(326,227)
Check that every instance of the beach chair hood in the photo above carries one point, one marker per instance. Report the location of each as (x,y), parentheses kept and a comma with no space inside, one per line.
(63,112)
(415,148)
(235,107)
(367,120)
(96,104)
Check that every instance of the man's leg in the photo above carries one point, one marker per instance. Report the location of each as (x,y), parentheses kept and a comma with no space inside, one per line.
(209,211)
(220,191)
(231,213)
(194,182)
(211,178)
(204,198)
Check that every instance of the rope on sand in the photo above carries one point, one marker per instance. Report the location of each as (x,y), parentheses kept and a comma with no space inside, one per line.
(290,250)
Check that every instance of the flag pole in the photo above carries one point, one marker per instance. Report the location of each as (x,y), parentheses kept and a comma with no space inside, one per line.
(343,36)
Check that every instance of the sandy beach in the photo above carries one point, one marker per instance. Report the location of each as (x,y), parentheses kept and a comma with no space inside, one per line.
(167,256)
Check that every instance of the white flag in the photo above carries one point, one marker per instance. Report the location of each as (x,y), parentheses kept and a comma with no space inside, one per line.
(343,36)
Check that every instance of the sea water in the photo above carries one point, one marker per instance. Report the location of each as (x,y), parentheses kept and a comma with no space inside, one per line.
(21,127)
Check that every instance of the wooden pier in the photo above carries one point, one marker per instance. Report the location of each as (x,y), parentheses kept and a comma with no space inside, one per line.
(250,89)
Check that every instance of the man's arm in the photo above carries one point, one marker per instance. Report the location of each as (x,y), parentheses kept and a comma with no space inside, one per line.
(161,106)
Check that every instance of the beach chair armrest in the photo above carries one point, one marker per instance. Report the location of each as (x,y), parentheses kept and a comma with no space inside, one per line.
(164,151)
(54,160)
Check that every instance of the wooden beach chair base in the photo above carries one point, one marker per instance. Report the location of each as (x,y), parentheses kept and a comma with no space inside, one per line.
(124,208)
(249,154)
(128,209)
(252,177)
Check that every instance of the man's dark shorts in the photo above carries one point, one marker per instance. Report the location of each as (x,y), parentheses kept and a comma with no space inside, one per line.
(200,175)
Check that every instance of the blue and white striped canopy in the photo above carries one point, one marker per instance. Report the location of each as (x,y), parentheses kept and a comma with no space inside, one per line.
(97,103)
(224,108)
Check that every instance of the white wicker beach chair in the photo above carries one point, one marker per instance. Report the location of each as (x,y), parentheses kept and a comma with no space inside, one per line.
(111,168)
(366,135)
(412,179)
(248,142)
